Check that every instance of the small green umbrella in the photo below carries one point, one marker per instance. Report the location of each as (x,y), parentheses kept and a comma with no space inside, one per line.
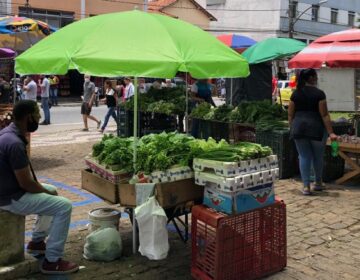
(272,48)
(132,44)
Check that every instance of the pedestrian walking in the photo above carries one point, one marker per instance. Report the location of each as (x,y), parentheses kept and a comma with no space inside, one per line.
(110,100)
(44,84)
(88,101)
(22,194)
(310,124)
(54,87)
(201,91)
(30,89)
(129,88)
(4,90)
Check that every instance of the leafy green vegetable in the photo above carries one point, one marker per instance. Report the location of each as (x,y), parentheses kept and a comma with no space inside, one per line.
(164,150)
(166,101)
(201,110)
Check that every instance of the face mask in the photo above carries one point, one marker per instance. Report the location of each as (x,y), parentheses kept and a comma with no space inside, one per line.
(32,125)
(87,80)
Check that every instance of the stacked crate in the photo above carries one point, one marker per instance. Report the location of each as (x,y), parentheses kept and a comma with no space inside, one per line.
(281,144)
(235,187)
(250,245)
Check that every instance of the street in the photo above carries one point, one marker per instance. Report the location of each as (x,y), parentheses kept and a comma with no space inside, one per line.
(68,116)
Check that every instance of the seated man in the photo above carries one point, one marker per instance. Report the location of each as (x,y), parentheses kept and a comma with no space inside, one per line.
(22,194)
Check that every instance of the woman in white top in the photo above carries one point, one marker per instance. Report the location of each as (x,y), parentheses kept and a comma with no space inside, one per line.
(110,100)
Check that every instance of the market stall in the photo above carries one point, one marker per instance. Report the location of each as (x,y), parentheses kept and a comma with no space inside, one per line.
(348,148)
(72,48)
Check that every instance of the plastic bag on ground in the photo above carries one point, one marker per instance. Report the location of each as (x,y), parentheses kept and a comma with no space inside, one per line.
(103,244)
(153,235)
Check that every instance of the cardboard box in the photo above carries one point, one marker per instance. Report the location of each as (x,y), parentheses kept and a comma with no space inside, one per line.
(241,201)
(255,197)
(167,194)
(99,186)
(113,176)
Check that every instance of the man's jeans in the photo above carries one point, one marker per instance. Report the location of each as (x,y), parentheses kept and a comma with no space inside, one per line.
(53,96)
(46,109)
(311,153)
(110,112)
(54,214)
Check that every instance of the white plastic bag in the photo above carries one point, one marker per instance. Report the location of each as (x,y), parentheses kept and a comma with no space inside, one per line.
(153,235)
(103,244)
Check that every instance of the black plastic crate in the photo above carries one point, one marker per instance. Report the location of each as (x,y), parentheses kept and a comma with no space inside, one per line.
(333,166)
(147,123)
(124,129)
(219,130)
(342,128)
(204,128)
(279,141)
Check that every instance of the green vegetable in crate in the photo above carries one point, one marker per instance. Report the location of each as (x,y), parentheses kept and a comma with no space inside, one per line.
(220,154)
(254,111)
(201,110)
(222,113)
(165,101)
(271,125)
(98,147)
(161,107)
(161,151)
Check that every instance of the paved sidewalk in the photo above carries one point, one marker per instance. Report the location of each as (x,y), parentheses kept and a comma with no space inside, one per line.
(323,230)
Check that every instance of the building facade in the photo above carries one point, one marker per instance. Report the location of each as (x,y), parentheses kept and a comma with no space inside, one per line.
(192,11)
(261,19)
(63,12)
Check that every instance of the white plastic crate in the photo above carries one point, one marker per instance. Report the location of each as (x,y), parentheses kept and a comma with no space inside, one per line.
(237,183)
(233,169)
(172,174)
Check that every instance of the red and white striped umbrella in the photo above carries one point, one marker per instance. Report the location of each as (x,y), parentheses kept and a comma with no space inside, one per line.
(336,50)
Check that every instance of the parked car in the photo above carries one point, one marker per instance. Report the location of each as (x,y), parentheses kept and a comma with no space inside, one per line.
(284,92)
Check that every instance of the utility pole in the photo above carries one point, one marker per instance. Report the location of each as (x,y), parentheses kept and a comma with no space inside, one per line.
(145,6)
(27,6)
(291,18)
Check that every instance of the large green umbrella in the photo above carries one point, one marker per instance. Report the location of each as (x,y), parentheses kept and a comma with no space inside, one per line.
(272,48)
(132,44)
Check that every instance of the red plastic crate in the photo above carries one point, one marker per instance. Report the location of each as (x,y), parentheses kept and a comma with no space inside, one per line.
(249,245)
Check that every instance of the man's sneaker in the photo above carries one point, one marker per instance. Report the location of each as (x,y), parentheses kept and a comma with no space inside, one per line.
(59,267)
(36,248)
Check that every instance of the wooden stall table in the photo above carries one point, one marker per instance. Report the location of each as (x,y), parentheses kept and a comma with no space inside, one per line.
(344,150)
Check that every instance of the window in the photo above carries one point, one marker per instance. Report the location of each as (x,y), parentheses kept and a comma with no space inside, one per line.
(351,18)
(56,19)
(215,2)
(315,13)
(334,15)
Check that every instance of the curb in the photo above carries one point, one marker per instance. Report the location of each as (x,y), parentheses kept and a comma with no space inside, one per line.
(28,266)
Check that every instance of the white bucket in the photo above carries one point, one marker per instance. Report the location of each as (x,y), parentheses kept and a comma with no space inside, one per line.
(104,218)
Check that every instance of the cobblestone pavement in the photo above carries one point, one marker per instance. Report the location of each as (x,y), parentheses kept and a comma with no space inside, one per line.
(323,230)
(65,135)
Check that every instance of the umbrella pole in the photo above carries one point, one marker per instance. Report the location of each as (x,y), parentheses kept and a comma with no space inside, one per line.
(14,81)
(134,159)
(186,105)
(231,91)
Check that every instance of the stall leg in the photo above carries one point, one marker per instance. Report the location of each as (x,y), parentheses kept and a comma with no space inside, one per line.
(134,236)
